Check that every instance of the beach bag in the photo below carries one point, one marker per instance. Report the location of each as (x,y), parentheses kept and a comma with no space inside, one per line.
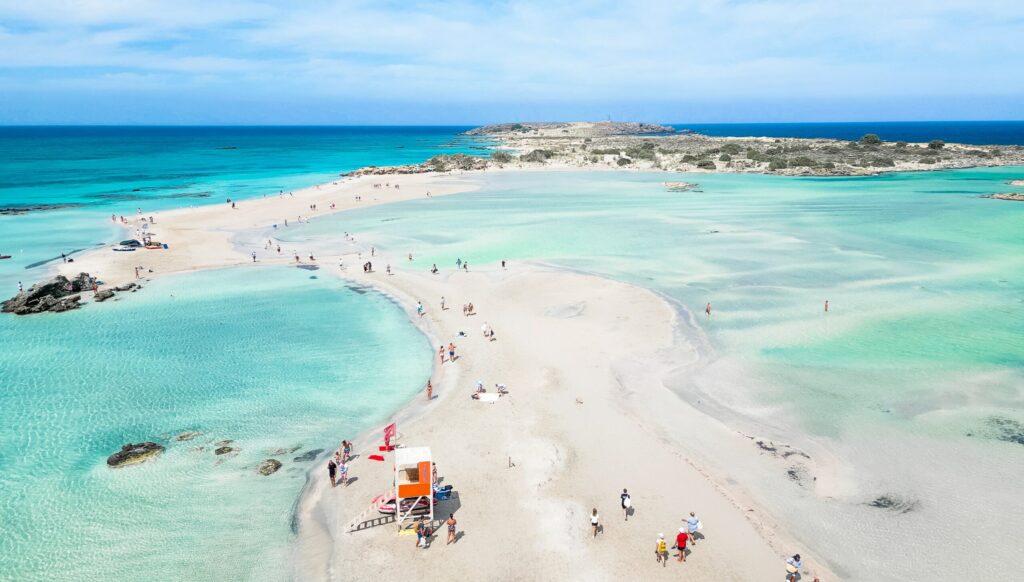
(791,568)
(627,503)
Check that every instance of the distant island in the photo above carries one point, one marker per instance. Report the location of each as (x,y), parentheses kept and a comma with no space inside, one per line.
(644,146)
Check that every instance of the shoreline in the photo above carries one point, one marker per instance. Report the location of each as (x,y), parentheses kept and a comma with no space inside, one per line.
(332,544)
(223,224)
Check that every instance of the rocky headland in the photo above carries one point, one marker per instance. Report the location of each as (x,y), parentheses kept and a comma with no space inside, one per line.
(59,294)
(652,147)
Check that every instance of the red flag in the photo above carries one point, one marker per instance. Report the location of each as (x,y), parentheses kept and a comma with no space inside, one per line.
(389,433)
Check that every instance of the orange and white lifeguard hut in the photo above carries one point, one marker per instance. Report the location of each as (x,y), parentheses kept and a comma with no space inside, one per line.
(414,479)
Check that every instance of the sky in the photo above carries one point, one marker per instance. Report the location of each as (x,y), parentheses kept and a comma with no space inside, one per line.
(466,62)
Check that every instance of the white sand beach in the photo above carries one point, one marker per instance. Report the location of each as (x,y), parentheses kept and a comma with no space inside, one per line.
(586,415)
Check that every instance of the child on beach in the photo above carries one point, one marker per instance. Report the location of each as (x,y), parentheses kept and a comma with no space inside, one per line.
(661,550)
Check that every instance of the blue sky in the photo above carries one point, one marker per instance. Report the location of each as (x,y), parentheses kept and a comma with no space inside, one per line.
(352,62)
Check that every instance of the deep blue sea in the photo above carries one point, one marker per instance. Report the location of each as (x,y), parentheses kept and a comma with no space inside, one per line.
(972,132)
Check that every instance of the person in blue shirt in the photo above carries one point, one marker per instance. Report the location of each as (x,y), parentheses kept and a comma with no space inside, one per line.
(692,525)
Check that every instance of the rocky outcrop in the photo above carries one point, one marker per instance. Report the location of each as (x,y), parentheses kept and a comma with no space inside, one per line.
(442,163)
(1008,196)
(103,295)
(268,467)
(55,295)
(131,454)
(224,450)
(187,436)
(600,128)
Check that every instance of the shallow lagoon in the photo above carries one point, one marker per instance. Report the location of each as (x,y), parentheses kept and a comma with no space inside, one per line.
(913,382)
(267,357)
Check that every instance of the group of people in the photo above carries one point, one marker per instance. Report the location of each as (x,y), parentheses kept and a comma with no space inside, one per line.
(423,531)
(687,536)
(451,352)
(337,465)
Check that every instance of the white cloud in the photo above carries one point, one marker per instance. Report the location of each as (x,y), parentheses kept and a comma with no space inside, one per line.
(537,51)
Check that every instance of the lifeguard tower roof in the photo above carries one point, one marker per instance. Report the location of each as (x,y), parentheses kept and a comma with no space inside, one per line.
(411,456)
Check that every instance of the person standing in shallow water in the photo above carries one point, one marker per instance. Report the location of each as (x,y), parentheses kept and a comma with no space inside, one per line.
(707,309)
(826,306)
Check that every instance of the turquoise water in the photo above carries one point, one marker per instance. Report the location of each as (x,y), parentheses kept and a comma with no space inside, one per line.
(923,276)
(101,171)
(913,382)
(269,358)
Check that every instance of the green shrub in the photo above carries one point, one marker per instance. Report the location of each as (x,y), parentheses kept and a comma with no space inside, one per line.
(777,164)
(883,162)
(540,156)
(690,158)
(870,139)
(756,155)
(725,158)
(830,150)
(732,149)
(706,164)
(936,144)
(828,166)
(501,157)
(901,145)
(802,162)
(624,161)
(925,160)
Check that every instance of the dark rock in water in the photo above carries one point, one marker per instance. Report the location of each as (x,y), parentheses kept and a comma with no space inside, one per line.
(131,454)
(126,287)
(284,451)
(103,295)
(56,295)
(309,267)
(187,436)
(224,450)
(269,467)
(308,456)
(224,443)
(893,503)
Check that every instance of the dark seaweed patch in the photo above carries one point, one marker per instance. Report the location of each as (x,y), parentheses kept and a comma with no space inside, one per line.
(893,503)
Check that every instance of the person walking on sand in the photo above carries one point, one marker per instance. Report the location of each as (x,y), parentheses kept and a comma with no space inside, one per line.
(450,522)
(793,566)
(661,550)
(442,303)
(440,353)
(343,473)
(594,521)
(332,470)
(626,503)
(254,256)
(451,352)
(430,391)
(692,525)
(419,309)
(681,544)
(707,309)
